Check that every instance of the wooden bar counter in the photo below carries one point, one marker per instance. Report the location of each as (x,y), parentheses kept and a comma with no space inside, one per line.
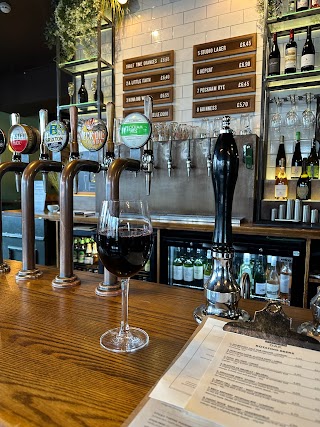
(53,371)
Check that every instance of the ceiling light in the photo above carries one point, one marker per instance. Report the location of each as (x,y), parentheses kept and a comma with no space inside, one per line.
(122,1)
(5,7)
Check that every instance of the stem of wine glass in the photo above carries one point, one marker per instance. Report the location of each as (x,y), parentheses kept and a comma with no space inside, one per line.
(124,326)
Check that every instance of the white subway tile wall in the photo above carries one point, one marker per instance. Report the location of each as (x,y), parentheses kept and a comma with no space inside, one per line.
(160,25)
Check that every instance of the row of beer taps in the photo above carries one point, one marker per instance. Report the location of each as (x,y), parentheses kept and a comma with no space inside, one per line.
(23,140)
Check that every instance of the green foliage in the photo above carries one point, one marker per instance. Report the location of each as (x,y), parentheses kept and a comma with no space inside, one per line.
(74,22)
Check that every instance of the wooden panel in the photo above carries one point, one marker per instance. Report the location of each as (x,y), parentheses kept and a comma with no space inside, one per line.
(160,96)
(159,114)
(216,107)
(225,47)
(148,62)
(229,86)
(225,67)
(157,78)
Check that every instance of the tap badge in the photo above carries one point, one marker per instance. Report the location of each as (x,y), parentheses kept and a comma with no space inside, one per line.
(3,141)
(93,134)
(19,139)
(55,136)
(135,130)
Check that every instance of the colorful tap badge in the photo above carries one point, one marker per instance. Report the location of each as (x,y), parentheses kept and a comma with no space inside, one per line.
(93,134)
(55,136)
(3,141)
(20,137)
(135,130)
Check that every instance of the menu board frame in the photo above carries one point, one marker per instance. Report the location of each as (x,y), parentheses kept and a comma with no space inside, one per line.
(148,62)
(226,105)
(229,86)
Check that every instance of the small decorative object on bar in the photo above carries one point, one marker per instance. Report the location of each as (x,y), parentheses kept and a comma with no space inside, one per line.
(312,328)
(124,243)
(221,290)
(74,21)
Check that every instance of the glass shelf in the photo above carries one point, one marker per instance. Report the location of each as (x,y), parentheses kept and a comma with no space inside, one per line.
(284,81)
(84,107)
(294,20)
(85,65)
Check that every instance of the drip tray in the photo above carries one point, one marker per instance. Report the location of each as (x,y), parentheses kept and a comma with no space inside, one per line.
(191,219)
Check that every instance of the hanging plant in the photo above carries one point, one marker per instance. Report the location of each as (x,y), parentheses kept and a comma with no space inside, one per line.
(74,22)
(274,9)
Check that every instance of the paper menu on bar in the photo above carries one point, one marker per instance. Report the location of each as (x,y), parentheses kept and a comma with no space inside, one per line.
(259,383)
(179,382)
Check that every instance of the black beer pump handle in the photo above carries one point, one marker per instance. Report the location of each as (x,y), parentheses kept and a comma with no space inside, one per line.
(225,165)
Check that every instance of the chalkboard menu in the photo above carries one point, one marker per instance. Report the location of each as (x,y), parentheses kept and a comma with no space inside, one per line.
(214,64)
(149,75)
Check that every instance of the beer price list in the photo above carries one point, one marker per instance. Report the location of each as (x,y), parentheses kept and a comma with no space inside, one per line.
(211,76)
(149,75)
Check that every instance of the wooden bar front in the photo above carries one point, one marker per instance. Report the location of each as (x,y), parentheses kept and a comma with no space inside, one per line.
(53,371)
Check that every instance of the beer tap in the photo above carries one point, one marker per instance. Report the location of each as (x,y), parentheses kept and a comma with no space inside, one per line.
(66,277)
(43,121)
(44,165)
(108,156)
(222,291)
(169,161)
(135,132)
(209,157)
(17,166)
(147,156)
(189,157)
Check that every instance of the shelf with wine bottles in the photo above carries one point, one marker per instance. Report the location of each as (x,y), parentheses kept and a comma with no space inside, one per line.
(296,19)
(85,65)
(86,107)
(298,79)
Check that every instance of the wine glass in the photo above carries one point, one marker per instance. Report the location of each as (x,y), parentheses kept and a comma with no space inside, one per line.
(276,118)
(70,90)
(124,244)
(308,118)
(292,119)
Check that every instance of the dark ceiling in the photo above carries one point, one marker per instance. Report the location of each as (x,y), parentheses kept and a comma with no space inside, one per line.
(27,70)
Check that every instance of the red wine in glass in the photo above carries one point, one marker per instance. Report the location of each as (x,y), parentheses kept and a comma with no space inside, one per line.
(125,255)
(125,241)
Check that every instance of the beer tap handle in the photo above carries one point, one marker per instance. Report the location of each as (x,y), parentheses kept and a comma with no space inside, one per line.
(209,159)
(16,157)
(74,147)
(110,125)
(43,121)
(189,158)
(169,161)
(147,157)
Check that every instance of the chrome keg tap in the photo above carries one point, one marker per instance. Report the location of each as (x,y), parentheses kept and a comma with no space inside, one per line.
(147,161)
(29,271)
(222,291)
(66,277)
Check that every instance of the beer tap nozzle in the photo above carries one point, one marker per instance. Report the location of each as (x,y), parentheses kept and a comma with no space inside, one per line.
(189,158)
(147,160)
(209,158)
(43,121)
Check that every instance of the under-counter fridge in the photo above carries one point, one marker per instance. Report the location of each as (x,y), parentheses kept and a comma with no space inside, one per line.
(185,260)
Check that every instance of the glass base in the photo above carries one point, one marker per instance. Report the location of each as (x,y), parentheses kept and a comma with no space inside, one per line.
(127,342)
(308,328)
(200,314)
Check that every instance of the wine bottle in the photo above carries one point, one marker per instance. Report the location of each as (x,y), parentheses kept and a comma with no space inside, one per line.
(308,53)
(290,55)
(285,280)
(274,57)
(315,3)
(273,282)
(296,162)
(207,271)
(281,183)
(82,93)
(304,183)
(96,96)
(188,269)
(280,155)
(198,269)
(302,5)
(260,277)
(177,273)
(313,162)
